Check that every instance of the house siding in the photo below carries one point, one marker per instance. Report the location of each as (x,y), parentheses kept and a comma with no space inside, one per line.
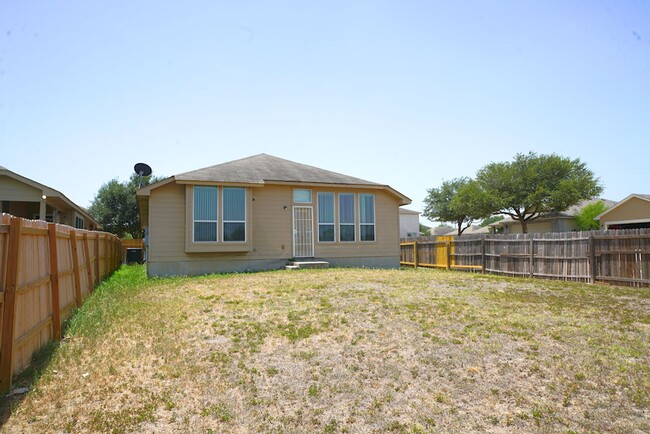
(634,209)
(14,190)
(270,232)
(533,227)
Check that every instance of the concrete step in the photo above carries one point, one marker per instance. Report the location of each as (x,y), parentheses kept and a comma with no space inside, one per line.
(296,265)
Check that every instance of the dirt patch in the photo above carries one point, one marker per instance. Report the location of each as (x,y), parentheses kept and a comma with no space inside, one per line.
(356,351)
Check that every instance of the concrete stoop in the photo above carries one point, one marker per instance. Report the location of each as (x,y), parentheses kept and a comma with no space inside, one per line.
(299,265)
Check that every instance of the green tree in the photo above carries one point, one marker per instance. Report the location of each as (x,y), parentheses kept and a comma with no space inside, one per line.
(116,209)
(459,201)
(585,218)
(491,219)
(533,185)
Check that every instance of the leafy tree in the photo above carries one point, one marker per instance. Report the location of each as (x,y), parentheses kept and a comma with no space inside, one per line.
(424,229)
(116,209)
(533,185)
(585,218)
(458,201)
(491,219)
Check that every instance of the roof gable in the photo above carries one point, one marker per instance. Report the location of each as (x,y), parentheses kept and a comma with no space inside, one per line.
(645,197)
(262,168)
(266,169)
(47,191)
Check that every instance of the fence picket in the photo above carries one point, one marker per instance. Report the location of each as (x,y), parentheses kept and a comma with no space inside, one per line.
(619,257)
(39,271)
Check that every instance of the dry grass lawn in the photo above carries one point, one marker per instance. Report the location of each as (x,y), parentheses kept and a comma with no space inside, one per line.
(346,350)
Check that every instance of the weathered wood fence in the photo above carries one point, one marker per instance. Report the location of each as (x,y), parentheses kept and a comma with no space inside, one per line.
(618,257)
(46,270)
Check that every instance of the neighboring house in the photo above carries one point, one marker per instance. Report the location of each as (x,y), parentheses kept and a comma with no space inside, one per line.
(409,223)
(442,230)
(258,212)
(633,212)
(25,198)
(564,221)
(449,231)
(472,230)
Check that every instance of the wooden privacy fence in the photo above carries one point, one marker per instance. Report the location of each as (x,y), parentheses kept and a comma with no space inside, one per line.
(132,243)
(46,270)
(619,257)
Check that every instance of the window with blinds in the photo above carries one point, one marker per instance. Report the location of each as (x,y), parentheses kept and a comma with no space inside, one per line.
(325,217)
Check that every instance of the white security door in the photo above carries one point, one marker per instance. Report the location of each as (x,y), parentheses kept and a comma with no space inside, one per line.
(303,232)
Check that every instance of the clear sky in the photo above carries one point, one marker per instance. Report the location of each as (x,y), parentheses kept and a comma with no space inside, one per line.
(405,93)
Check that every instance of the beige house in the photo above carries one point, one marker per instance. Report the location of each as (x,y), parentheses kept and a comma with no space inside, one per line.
(633,212)
(22,197)
(258,212)
(564,221)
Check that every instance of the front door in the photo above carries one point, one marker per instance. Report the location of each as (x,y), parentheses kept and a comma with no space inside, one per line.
(303,232)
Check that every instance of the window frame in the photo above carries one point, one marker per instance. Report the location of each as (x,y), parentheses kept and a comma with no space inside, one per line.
(374,218)
(311,196)
(347,224)
(333,223)
(223,213)
(194,219)
(77,219)
(219,245)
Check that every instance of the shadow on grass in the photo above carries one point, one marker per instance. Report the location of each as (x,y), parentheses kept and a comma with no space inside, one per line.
(28,377)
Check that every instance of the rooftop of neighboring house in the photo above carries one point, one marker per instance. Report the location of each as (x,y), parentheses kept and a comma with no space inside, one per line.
(52,196)
(570,212)
(406,211)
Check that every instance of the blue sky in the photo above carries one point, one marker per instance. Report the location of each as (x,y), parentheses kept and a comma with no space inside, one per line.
(404,93)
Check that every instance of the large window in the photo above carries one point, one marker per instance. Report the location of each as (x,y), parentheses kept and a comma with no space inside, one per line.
(234,214)
(208,218)
(367,217)
(325,217)
(205,213)
(346,217)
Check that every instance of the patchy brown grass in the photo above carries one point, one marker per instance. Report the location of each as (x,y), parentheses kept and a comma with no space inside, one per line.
(347,350)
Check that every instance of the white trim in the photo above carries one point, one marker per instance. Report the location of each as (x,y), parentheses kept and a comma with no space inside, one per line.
(318,223)
(295,231)
(354,217)
(311,195)
(626,222)
(223,219)
(617,204)
(216,222)
(374,217)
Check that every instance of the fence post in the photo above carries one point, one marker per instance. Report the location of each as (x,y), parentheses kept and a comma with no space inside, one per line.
(108,251)
(89,272)
(592,259)
(415,254)
(448,248)
(54,281)
(483,255)
(75,268)
(97,277)
(9,305)
(531,257)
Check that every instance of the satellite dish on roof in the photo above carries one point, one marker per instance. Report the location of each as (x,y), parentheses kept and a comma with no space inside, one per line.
(142,169)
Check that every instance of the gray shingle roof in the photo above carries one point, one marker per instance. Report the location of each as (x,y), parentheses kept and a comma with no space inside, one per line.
(262,168)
